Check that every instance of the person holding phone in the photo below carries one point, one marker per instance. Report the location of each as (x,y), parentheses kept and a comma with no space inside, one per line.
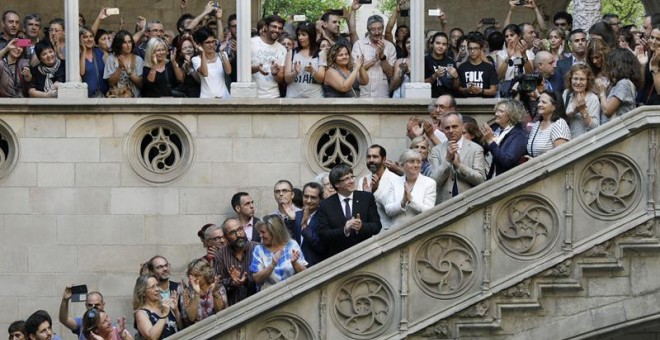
(15,74)
(92,300)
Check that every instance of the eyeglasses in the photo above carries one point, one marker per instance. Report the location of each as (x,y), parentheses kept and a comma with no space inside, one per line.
(473,49)
(281,191)
(217,238)
(235,232)
(162,266)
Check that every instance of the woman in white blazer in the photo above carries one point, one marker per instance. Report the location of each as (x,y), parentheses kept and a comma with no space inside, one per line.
(411,193)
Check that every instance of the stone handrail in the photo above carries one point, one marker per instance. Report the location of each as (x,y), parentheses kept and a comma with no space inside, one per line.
(485,240)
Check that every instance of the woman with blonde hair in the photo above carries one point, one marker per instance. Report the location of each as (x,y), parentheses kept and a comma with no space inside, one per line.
(557,43)
(161,75)
(155,318)
(278,257)
(204,295)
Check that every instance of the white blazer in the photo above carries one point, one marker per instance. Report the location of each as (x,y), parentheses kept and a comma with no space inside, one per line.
(423,198)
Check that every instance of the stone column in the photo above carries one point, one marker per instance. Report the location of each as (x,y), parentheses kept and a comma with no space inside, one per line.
(417,88)
(74,87)
(244,87)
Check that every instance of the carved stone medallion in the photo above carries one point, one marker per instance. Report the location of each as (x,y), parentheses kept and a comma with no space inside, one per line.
(609,186)
(363,306)
(283,326)
(8,149)
(527,226)
(445,266)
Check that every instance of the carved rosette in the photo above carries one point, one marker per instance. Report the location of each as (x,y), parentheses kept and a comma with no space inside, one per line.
(283,326)
(445,266)
(159,149)
(527,226)
(609,186)
(334,140)
(8,149)
(363,306)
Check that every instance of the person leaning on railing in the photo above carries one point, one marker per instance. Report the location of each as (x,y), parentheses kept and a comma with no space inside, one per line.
(48,74)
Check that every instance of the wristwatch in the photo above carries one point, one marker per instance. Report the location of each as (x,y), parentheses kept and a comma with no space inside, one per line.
(383,57)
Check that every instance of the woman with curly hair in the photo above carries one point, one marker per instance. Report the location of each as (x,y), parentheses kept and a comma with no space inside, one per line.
(597,52)
(506,140)
(625,73)
(582,105)
(343,77)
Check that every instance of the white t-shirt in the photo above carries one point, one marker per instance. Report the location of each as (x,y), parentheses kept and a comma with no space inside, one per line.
(213,85)
(304,86)
(265,55)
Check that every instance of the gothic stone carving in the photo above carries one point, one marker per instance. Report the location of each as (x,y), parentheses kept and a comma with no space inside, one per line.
(445,266)
(363,306)
(527,226)
(610,185)
(283,327)
(437,331)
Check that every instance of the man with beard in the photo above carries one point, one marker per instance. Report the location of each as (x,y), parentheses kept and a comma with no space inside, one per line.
(233,262)
(243,205)
(328,25)
(457,164)
(39,326)
(307,223)
(347,217)
(379,57)
(11,24)
(268,59)
(159,267)
(378,181)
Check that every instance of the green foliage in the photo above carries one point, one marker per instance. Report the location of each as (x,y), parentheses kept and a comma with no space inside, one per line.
(387,6)
(629,11)
(313,9)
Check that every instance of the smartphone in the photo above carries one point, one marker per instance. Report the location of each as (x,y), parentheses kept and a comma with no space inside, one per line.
(24,43)
(488,21)
(79,293)
(337,12)
(520,3)
(364,1)
(112,11)
(299,18)
(404,13)
(435,12)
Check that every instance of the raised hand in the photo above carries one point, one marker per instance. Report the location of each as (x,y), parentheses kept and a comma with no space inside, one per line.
(194,283)
(236,277)
(274,68)
(295,255)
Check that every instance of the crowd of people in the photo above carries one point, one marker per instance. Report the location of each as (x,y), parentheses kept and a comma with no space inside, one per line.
(551,91)
(313,59)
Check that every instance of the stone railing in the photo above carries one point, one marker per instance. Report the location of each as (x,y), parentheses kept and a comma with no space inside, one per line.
(463,251)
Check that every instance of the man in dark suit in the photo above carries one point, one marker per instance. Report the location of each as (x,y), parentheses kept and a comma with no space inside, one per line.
(243,205)
(347,217)
(307,223)
(578,42)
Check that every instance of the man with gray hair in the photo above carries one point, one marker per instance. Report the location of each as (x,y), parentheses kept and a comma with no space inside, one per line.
(379,57)
(152,29)
(457,164)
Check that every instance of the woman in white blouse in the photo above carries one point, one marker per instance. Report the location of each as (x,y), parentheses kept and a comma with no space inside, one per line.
(410,194)
(551,130)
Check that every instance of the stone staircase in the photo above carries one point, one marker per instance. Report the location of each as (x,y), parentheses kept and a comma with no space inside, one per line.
(562,247)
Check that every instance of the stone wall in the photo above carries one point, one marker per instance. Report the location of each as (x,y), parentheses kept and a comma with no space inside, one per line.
(73,210)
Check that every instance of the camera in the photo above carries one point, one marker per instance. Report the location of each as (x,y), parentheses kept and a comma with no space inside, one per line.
(528,82)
